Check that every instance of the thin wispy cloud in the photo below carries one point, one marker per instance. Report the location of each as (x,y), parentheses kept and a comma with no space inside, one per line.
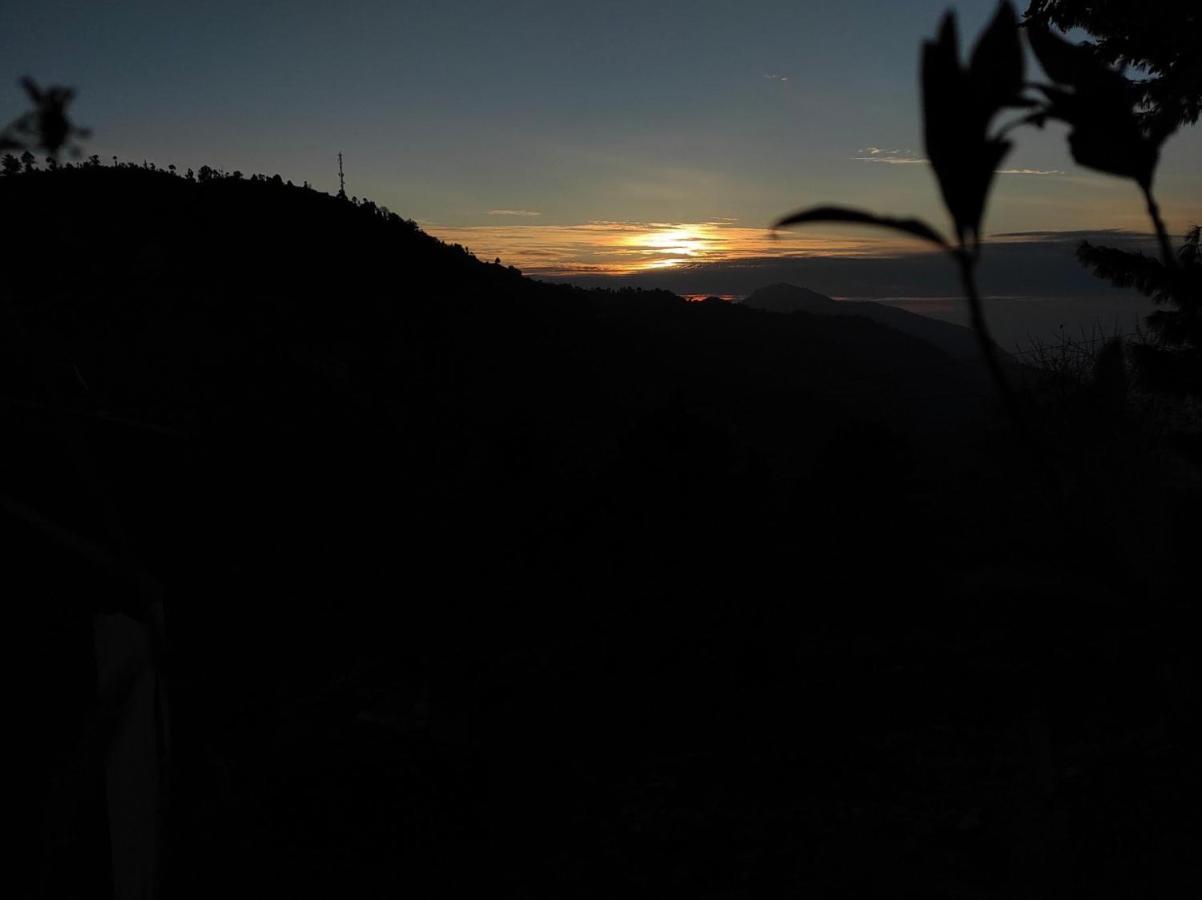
(890,157)
(910,158)
(514,212)
(776,76)
(1030,172)
(1098,235)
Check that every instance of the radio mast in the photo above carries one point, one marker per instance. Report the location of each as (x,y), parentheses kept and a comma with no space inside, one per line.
(341,179)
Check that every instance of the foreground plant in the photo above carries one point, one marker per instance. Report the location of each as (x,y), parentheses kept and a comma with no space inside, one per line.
(960,105)
(1113,128)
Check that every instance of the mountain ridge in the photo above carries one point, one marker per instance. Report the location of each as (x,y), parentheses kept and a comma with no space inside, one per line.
(955,340)
(282,332)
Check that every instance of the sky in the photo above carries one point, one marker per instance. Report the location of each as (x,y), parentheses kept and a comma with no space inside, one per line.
(572,139)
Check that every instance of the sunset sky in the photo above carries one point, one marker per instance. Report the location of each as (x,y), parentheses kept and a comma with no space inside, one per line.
(567,137)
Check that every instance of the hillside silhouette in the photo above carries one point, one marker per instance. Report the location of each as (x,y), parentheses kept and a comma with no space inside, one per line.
(321,352)
(475,581)
(954,340)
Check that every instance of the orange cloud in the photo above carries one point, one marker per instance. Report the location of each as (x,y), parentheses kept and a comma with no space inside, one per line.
(625,248)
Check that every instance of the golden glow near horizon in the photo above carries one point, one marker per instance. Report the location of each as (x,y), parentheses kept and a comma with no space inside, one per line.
(688,241)
(627,248)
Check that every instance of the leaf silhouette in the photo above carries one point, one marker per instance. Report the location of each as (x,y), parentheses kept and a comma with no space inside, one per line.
(1063,61)
(958,106)
(942,94)
(1125,269)
(915,227)
(1106,132)
(996,69)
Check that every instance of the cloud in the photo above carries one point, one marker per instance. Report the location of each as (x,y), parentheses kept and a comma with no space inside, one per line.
(514,212)
(910,158)
(1036,288)
(609,248)
(1097,235)
(776,76)
(720,256)
(1039,264)
(890,157)
(1030,172)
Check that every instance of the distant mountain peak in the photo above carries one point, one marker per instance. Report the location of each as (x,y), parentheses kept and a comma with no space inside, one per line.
(786,298)
(955,340)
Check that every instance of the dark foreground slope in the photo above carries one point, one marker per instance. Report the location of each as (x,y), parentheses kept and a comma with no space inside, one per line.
(475,583)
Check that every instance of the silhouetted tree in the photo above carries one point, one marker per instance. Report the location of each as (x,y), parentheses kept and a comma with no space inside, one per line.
(1162,40)
(1174,364)
(1109,132)
(46,127)
(10,164)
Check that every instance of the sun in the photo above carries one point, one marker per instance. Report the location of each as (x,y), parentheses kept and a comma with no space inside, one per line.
(670,245)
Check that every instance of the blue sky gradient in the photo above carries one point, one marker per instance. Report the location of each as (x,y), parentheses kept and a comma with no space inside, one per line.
(578,111)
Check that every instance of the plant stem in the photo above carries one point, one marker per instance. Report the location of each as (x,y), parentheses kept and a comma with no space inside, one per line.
(1033,442)
(1162,233)
(989,349)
